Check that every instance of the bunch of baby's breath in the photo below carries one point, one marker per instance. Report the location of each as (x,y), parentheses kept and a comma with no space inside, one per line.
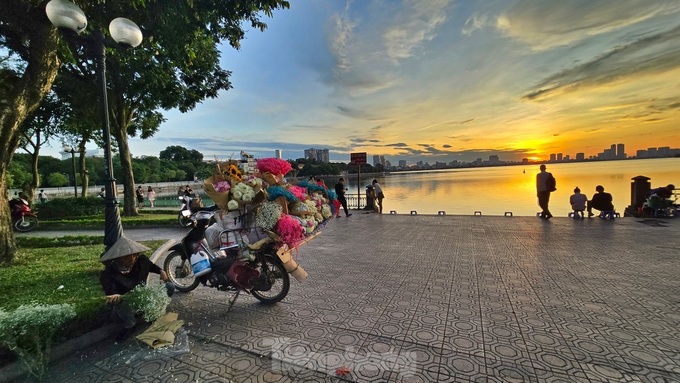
(29,331)
(151,301)
(268,215)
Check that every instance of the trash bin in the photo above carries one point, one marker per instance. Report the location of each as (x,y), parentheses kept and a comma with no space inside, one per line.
(370,198)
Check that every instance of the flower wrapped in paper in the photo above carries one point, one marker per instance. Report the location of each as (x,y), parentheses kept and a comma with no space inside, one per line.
(273,170)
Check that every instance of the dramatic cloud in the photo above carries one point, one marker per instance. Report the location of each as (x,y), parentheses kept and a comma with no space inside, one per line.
(547,24)
(416,24)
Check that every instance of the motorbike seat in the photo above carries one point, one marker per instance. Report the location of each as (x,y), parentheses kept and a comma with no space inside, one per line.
(258,245)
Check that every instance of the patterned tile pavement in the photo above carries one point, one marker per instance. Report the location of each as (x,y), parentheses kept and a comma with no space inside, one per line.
(436,298)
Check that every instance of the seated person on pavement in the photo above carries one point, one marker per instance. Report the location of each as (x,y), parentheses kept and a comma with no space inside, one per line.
(601,201)
(661,197)
(578,202)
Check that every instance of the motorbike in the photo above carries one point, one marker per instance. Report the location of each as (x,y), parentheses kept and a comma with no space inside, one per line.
(237,266)
(23,219)
(185,212)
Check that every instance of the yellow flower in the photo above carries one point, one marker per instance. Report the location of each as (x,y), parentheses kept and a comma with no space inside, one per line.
(234,173)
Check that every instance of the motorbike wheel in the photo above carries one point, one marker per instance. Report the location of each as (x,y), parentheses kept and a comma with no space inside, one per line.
(278,279)
(28,223)
(184,221)
(179,272)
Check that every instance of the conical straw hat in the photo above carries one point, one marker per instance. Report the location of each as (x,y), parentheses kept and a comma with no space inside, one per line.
(121,248)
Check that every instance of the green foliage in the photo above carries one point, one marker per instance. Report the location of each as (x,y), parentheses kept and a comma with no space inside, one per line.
(72,207)
(20,173)
(57,179)
(29,331)
(151,301)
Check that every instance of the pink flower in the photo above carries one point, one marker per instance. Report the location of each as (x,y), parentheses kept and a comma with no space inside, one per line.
(299,192)
(221,186)
(274,166)
(290,230)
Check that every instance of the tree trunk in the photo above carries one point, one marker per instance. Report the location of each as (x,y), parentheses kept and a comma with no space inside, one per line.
(23,95)
(130,199)
(82,165)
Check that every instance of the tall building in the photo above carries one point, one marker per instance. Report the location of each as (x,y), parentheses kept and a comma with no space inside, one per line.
(580,156)
(376,160)
(402,164)
(621,151)
(559,157)
(493,159)
(553,158)
(320,155)
(278,154)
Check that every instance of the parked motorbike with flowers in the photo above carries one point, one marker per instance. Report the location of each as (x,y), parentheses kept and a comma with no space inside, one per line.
(259,220)
(236,266)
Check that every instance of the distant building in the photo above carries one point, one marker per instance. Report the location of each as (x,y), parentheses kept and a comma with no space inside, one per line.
(651,152)
(320,155)
(278,154)
(621,151)
(493,159)
(248,163)
(402,164)
(553,157)
(559,157)
(88,153)
(580,156)
(641,153)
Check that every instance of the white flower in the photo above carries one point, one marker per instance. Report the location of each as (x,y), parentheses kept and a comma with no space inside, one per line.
(232,205)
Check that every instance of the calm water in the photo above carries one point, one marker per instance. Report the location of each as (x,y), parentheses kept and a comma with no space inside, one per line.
(496,190)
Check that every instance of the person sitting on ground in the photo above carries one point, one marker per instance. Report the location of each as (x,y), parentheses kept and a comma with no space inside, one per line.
(102,193)
(661,197)
(601,201)
(578,202)
(125,269)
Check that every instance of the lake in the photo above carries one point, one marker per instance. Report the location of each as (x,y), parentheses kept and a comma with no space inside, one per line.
(496,190)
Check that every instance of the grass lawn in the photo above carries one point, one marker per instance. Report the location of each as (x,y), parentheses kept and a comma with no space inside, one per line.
(59,270)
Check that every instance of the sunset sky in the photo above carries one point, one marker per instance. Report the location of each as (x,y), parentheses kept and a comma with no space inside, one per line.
(439,80)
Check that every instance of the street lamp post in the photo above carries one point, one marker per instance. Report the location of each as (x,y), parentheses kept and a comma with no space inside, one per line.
(73,162)
(70,18)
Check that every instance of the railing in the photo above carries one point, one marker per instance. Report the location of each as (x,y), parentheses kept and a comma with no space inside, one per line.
(355,203)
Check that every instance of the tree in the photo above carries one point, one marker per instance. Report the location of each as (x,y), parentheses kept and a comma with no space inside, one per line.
(36,132)
(177,67)
(28,66)
(57,179)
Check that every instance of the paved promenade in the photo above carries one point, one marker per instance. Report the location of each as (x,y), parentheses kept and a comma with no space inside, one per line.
(398,298)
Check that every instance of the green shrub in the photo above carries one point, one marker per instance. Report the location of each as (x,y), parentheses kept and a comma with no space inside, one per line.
(71,208)
(29,331)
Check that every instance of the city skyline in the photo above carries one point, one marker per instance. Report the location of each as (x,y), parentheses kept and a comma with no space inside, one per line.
(438,80)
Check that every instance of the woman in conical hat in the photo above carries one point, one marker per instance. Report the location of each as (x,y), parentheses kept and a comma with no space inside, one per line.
(125,268)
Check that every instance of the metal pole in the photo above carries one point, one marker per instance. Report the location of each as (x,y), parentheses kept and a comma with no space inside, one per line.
(112,227)
(359,186)
(73,162)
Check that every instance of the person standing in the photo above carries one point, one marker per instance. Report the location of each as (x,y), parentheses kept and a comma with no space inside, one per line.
(601,201)
(140,197)
(379,196)
(151,195)
(340,191)
(42,196)
(545,184)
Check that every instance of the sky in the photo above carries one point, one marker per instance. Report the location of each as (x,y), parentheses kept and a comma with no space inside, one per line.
(444,80)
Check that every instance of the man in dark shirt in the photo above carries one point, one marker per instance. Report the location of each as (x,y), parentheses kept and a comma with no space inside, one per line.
(340,191)
(125,268)
(601,201)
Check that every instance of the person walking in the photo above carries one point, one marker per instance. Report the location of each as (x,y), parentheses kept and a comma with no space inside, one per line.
(151,195)
(545,184)
(140,197)
(379,196)
(340,191)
